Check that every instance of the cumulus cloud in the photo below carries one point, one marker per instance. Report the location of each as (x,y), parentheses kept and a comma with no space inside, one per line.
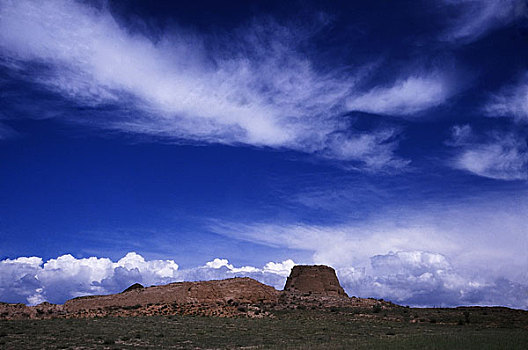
(407,96)
(31,280)
(280,268)
(256,85)
(511,102)
(272,273)
(501,156)
(420,278)
(476,18)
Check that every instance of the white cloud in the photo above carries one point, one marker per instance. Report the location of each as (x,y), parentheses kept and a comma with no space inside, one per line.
(501,156)
(501,160)
(160,269)
(416,262)
(282,268)
(511,102)
(366,147)
(407,96)
(31,280)
(339,245)
(421,278)
(272,273)
(255,85)
(257,91)
(279,268)
(477,17)
(218,263)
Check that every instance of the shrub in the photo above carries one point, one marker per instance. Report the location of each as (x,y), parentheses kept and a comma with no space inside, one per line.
(242,308)
(376,308)
(108,341)
(466,316)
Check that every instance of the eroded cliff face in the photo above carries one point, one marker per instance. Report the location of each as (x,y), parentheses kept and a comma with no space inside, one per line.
(314,279)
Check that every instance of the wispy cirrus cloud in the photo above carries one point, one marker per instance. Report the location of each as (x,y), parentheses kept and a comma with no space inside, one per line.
(475,18)
(256,85)
(406,96)
(511,101)
(498,155)
(252,86)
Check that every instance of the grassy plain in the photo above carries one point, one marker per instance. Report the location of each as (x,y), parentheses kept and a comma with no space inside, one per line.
(398,328)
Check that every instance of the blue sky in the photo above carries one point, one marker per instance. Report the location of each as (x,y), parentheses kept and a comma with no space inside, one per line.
(164,141)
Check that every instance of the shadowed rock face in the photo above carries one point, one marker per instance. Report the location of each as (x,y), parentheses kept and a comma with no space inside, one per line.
(315,279)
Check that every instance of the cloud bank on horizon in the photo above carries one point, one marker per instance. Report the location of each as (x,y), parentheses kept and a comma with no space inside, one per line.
(409,277)
(32,281)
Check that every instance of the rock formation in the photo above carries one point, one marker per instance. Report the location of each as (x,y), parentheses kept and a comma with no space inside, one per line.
(314,279)
(243,290)
(132,287)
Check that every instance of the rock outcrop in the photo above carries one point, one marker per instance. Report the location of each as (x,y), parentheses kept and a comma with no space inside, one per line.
(242,290)
(132,287)
(314,279)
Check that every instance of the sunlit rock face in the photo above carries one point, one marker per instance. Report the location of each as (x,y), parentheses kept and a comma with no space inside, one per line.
(314,279)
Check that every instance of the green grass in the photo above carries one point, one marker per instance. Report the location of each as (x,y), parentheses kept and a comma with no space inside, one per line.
(400,328)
